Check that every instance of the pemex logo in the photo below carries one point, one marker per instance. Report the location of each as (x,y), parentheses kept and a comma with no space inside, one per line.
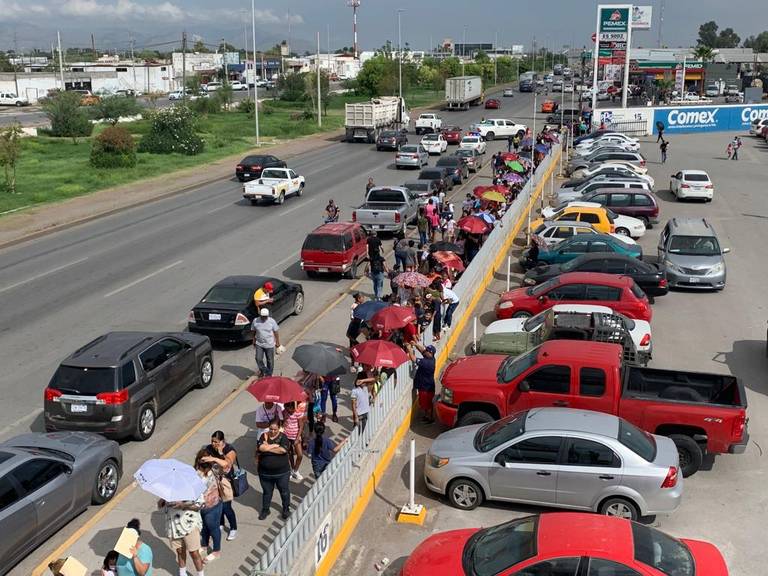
(616,16)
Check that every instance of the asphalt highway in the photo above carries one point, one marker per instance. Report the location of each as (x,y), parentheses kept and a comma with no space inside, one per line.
(143,269)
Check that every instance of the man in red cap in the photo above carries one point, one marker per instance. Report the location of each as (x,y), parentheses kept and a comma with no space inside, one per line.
(263,296)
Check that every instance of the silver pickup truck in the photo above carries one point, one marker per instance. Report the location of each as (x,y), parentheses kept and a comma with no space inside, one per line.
(387,209)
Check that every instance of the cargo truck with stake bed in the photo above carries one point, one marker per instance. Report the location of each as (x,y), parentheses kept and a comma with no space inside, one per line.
(364,120)
(461,92)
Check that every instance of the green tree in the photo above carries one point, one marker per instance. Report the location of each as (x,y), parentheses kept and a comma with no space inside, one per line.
(10,152)
(200,46)
(68,119)
(705,54)
(224,95)
(193,84)
(505,68)
(481,57)
(728,39)
(226,47)
(112,108)
(450,67)
(310,89)
(291,87)
(371,75)
(758,43)
(708,34)
(427,76)
(5,64)
(172,130)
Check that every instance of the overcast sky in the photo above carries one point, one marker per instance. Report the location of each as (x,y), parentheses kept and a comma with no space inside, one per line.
(554,22)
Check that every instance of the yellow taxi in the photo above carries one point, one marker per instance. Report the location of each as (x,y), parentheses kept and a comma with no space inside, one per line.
(596,215)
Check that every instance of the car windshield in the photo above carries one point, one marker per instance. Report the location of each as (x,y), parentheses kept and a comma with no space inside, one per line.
(471,139)
(696,178)
(486,123)
(40,450)
(409,149)
(572,264)
(253,160)
(84,381)
(543,288)
(464,152)
(535,321)
(228,295)
(418,186)
(513,366)
(388,134)
(272,173)
(497,433)
(662,552)
(639,441)
(694,245)
(429,137)
(324,242)
(493,550)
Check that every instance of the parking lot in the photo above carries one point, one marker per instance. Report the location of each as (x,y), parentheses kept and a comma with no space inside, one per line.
(721,332)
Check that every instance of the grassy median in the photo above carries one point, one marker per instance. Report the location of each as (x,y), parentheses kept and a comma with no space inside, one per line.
(54,169)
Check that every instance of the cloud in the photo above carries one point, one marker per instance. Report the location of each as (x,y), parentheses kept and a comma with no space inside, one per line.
(11,10)
(121,9)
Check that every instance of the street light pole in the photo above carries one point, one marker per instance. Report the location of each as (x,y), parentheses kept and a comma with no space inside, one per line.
(399,57)
(463,48)
(317,72)
(495,58)
(255,84)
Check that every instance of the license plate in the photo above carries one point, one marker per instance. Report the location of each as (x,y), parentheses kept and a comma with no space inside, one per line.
(381,226)
(322,269)
(214,316)
(78,408)
(693,280)
(246,175)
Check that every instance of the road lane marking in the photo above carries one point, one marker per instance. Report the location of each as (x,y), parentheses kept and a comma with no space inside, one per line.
(140,280)
(283,261)
(297,207)
(219,209)
(42,275)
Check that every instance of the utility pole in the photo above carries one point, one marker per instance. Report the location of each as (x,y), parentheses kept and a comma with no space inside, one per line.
(255,84)
(93,44)
(245,44)
(61,61)
(661,23)
(133,64)
(399,57)
(463,48)
(15,66)
(328,46)
(317,73)
(184,67)
(224,55)
(495,58)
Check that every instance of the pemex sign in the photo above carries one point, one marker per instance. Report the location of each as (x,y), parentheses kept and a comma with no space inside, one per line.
(613,33)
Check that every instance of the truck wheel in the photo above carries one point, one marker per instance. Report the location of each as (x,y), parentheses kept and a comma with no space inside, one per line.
(490,136)
(281,198)
(352,272)
(254,202)
(465,494)
(620,507)
(300,191)
(475,417)
(690,454)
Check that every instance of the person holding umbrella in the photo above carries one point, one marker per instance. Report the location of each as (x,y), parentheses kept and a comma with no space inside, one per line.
(274,469)
(182,526)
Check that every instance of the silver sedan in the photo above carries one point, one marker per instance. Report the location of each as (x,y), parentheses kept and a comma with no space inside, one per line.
(561,457)
(412,156)
(48,479)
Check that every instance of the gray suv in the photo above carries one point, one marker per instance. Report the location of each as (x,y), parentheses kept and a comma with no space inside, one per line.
(691,253)
(117,384)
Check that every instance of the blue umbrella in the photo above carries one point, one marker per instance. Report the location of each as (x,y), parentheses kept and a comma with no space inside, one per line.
(526,142)
(367,309)
(487,217)
(542,148)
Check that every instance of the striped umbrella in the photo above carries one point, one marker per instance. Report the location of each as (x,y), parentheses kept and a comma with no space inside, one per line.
(412,280)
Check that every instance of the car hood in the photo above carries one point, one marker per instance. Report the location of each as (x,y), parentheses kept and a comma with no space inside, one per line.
(694,262)
(628,221)
(472,370)
(73,443)
(438,554)
(707,558)
(541,273)
(507,326)
(456,442)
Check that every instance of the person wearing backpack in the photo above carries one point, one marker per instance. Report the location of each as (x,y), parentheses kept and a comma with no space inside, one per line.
(224,456)
(212,505)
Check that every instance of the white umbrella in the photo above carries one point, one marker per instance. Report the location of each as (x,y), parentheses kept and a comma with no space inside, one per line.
(170,479)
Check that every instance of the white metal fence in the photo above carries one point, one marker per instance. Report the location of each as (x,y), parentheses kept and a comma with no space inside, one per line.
(302,542)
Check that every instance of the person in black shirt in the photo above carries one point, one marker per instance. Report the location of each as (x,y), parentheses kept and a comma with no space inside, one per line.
(274,468)
(374,245)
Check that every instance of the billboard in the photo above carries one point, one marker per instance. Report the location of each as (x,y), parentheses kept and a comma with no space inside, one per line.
(683,119)
(641,17)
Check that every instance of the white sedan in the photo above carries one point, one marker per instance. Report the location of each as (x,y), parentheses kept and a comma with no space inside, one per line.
(474,143)
(434,143)
(639,330)
(692,184)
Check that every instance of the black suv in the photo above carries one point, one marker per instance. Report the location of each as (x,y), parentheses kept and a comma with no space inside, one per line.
(440,174)
(457,165)
(251,167)
(117,384)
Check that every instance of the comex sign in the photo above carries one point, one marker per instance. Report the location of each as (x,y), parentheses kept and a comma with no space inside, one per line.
(708,119)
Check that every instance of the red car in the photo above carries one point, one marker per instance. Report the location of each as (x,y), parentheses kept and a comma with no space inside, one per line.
(492,104)
(452,134)
(337,248)
(564,544)
(617,292)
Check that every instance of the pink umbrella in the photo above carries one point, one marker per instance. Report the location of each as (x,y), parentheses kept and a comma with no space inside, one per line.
(412,280)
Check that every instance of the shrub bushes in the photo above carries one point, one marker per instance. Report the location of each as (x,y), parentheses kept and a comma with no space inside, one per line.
(113,148)
(172,130)
(68,119)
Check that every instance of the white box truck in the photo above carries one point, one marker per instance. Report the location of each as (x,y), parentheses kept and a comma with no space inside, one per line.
(462,92)
(364,120)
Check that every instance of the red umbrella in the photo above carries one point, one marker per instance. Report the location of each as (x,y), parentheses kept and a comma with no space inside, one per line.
(379,353)
(509,156)
(392,318)
(450,260)
(473,225)
(480,190)
(277,389)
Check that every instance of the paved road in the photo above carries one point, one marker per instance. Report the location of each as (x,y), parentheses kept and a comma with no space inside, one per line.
(719,332)
(146,267)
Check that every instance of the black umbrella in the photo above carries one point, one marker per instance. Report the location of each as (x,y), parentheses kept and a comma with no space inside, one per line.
(446,247)
(322,359)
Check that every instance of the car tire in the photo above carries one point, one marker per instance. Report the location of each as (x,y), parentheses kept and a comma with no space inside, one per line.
(206,372)
(620,507)
(19,104)
(475,417)
(465,494)
(105,483)
(522,314)
(622,232)
(690,453)
(298,303)
(490,136)
(645,221)
(280,199)
(397,166)
(145,423)
(352,273)
(300,191)
(254,202)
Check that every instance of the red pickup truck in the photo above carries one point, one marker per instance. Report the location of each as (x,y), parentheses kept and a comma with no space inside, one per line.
(700,412)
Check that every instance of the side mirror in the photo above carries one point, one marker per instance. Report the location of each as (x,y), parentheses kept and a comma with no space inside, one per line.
(674,176)
(726,250)
(524,386)
(542,298)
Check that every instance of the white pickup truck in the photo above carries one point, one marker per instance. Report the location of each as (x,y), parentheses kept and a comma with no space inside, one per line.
(428,122)
(274,185)
(500,127)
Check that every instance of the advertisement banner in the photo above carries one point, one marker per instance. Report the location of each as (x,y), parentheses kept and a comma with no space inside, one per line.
(642,17)
(679,81)
(612,72)
(614,19)
(686,119)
